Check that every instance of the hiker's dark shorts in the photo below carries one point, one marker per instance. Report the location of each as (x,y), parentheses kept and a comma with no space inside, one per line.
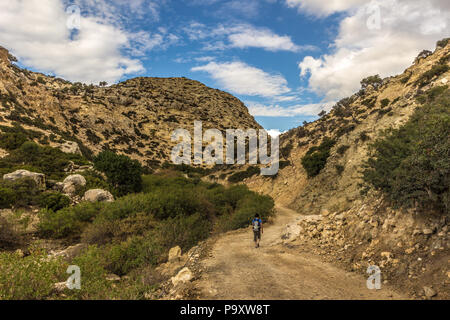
(257,235)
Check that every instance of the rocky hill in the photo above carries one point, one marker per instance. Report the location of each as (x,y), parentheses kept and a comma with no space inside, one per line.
(135,117)
(357,226)
(353,124)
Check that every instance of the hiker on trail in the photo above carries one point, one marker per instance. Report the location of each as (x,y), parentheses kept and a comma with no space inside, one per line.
(257,230)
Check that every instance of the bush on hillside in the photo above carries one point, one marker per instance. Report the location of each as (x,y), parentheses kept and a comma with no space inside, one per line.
(19,193)
(9,236)
(316,157)
(124,174)
(29,278)
(241,175)
(47,160)
(411,164)
(54,201)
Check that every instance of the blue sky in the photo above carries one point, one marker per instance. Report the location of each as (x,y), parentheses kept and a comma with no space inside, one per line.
(285,59)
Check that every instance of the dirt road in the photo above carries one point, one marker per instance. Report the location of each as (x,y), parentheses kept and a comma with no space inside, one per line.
(237,270)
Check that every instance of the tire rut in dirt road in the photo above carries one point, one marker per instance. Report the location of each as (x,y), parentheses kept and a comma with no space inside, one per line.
(237,270)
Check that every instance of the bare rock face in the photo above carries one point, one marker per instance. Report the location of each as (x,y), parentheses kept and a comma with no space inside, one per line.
(70,147)
(39,178)
(98,195)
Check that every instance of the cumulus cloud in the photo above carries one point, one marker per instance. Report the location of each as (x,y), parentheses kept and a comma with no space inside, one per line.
(240,78)
(261,110)
(242,36)
(381,37)
(99,51)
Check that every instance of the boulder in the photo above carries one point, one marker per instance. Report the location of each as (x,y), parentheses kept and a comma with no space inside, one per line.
(429,292)
(175,254)
(76,179)
(72,183)
(98,195)
(185,275)
(39,178)
(291,232)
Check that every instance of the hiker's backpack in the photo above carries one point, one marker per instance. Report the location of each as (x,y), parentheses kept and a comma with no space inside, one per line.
(256,224)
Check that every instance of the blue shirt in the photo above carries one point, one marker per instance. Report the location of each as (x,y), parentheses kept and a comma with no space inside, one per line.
(258,220)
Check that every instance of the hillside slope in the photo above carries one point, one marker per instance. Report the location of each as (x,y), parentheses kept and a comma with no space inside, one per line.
(360,226)
(353,123)
(135,117)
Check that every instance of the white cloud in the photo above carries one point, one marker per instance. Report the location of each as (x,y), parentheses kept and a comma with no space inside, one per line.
(242,36)
(241,78)
(406,28)
(261,110)
(95,53)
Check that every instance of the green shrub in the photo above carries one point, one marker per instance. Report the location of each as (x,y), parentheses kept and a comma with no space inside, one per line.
(339,169)
(411,164)
(19,193)
(442,43)
(136,252)
(316,157)
(124,174)
(241,175)
(435,71)
(385,102)
(184,231)
(342,149)
(363,136)
(67,222)
(94,285)
(7,197)
(29,278)
(12,140)
(10,238)
(374,81)
(54,201)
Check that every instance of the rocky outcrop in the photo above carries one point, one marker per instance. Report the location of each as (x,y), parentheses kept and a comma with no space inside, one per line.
(98,195)
(70,147)
(38,178)
(409,250)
